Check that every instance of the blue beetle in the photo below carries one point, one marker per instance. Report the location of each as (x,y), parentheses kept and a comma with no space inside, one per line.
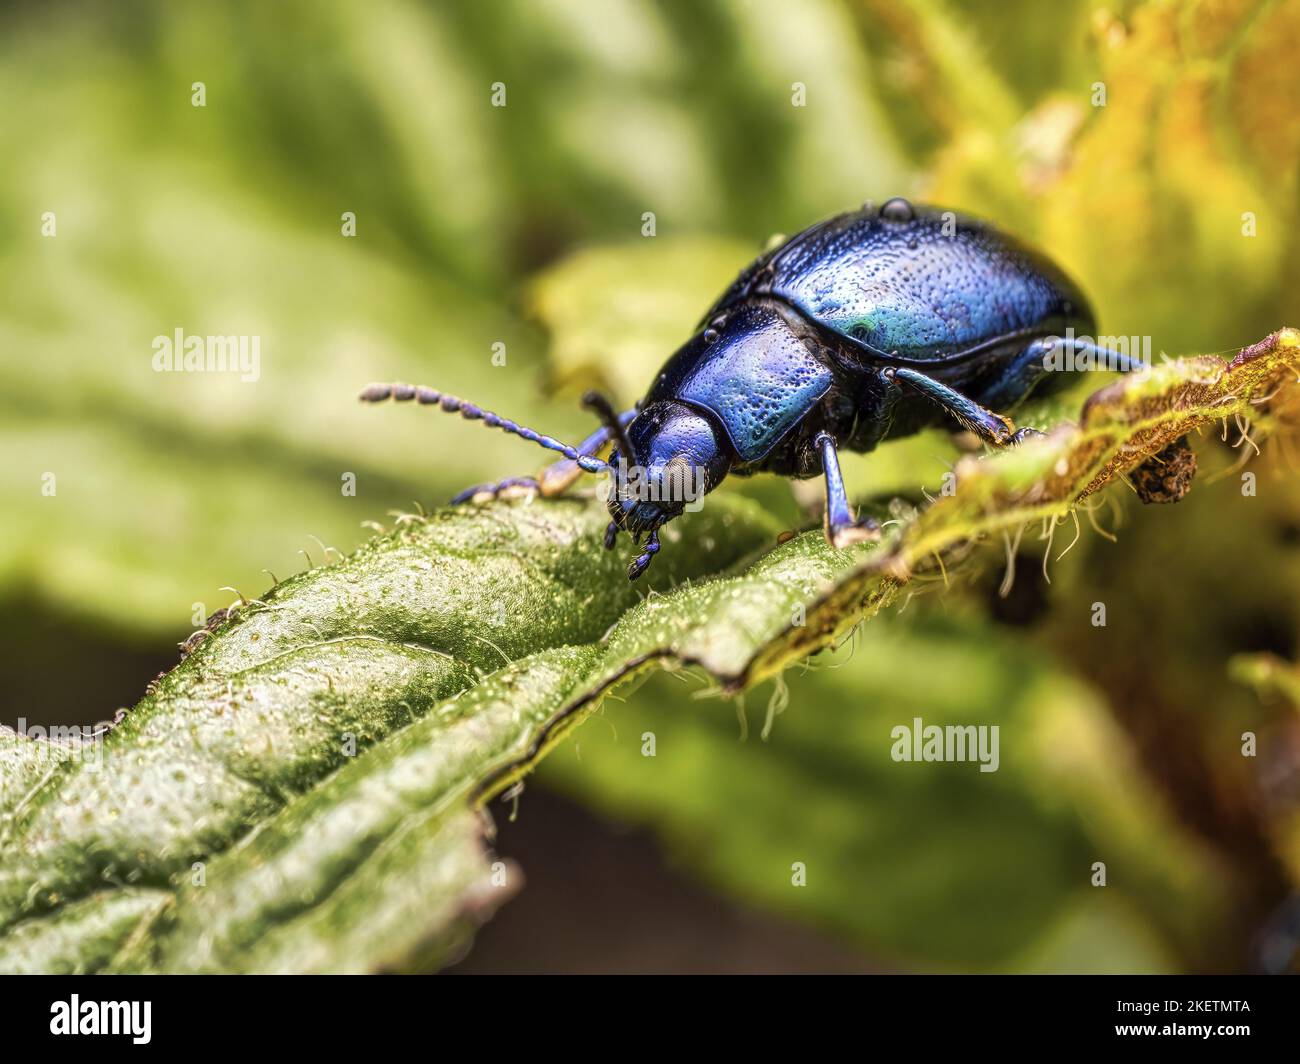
(873,324)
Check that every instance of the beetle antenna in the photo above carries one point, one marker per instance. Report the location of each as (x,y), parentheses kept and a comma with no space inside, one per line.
(402,393)
(604,410)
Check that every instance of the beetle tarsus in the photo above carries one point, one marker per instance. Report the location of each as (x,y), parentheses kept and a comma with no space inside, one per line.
(864,530)
(1020,435)
(642,562)
(486,492)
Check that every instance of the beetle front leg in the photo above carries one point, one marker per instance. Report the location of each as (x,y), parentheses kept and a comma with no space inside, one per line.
(642,561)
(842,529)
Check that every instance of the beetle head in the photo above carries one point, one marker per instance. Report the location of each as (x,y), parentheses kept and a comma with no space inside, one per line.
(678,454)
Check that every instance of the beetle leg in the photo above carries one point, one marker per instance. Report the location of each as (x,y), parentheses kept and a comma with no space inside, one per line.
(1026,433)
(990,427)
(1030,367)
(642,562)
(484,491)
(555,479)
(839,524)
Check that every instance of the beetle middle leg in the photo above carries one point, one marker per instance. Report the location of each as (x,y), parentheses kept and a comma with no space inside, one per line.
(992,428)
(841,528)
(555,479)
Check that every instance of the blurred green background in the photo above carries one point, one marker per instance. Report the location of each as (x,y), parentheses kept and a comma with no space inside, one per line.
(1150,147)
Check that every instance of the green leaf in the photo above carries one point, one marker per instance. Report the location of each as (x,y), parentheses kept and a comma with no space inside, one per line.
(1269,675)
(280,695)
(171,485)
(1274,680)
(922,865)
(385,654)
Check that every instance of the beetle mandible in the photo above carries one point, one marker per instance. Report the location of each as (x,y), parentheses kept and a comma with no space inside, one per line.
(871,325)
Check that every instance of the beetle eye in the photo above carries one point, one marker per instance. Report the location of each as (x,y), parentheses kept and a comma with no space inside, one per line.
(710,335)
(677,481)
